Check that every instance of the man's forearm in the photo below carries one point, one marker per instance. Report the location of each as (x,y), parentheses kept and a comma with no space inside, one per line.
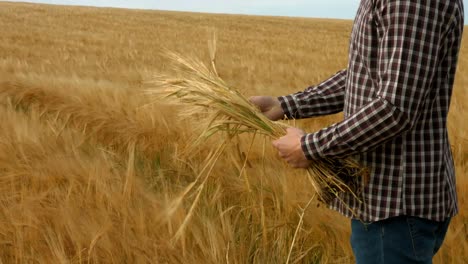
(323,99)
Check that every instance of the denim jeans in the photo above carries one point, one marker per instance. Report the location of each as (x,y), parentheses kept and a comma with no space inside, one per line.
(397,240)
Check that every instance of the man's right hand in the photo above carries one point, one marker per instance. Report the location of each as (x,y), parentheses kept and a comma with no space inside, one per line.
(270,106)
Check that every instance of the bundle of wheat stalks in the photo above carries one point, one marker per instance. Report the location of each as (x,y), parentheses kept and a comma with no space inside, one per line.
(222,109)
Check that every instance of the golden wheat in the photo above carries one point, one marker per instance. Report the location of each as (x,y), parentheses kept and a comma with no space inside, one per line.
(200,90)
(89,169)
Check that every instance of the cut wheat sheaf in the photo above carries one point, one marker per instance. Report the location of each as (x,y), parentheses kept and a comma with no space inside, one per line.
(199,89)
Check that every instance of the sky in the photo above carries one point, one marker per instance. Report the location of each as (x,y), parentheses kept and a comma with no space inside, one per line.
(344,9)
(304,8)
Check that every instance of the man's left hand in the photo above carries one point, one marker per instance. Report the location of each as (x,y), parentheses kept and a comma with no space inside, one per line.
(289,148)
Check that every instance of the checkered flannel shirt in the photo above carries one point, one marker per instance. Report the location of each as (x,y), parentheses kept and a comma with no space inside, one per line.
(395,95)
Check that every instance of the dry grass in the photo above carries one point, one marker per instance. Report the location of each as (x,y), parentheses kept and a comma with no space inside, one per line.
(226,111)
(90,171)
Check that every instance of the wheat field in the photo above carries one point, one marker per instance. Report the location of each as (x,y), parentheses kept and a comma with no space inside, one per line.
(94,171)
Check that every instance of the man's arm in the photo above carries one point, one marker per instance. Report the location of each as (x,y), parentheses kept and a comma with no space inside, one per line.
(408,58)
(323,99)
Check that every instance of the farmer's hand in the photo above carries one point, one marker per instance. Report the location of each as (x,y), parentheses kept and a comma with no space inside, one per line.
(289,148)
(270,106)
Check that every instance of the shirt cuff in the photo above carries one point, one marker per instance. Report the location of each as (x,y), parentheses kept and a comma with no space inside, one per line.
(309,144)
(290,106)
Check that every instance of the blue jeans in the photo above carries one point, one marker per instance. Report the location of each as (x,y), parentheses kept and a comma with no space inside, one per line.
(397,240)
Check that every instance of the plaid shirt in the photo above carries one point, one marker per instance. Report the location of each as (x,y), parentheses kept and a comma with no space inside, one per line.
(395,94)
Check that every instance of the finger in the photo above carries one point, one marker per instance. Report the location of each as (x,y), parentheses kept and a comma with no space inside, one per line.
(282,155)
(275,143)
(257,102)
(292,164)
(252,99)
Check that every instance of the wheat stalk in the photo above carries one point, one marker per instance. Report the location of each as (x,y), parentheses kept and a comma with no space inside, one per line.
(199,89)
(299,225)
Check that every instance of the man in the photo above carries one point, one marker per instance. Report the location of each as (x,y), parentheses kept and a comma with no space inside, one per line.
(395,94)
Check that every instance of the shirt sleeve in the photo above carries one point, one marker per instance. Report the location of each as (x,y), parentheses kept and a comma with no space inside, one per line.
(408,54)
(323,99)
